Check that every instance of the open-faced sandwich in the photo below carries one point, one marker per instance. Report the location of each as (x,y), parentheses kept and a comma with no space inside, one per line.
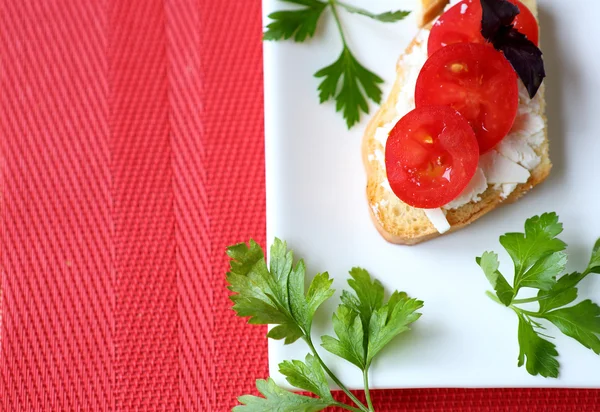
(463,130)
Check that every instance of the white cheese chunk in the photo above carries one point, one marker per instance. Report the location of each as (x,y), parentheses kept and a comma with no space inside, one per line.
(411,68)
(472,192)
(527,133)
(386,185)
(507,189)
(515,149)
(499,169)
(438,218)
(532,104)
(375,209)
(380,157)
(382,133)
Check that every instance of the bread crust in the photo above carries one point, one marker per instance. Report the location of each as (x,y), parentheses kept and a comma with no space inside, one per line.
(401,224)
(430,9)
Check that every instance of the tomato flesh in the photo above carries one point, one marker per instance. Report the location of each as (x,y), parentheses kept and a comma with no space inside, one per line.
(462,24)
(478,82)
(431,155)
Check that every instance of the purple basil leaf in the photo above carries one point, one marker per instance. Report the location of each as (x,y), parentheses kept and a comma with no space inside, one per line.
(524,56)
(496,13)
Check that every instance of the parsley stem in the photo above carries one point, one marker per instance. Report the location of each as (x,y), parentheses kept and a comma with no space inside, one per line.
(367,393)
(333,377)
(530,300)
(529,313)
(333,4)
(347,407)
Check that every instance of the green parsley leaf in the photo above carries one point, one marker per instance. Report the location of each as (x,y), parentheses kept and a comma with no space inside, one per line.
(594,265)
(277,399)
(356,81)
(526,249)
(300,24)
(318,292)
(363,324)
(562,293)
(288,331)
(256,298)
(542,275)
(557,300)
(541,354)
(304,307)
(275,296)
(539,262)
(489,263)
(369,294)
(350,343)
(307,375)
(581,322)
(387,17)
(391,320)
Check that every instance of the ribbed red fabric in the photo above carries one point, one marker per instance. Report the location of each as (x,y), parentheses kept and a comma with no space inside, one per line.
(58,334)
(131,155)
(146,299)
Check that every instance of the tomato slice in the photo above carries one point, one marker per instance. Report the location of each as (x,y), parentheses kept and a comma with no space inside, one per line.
(477,81)
(462,24)
(431,155)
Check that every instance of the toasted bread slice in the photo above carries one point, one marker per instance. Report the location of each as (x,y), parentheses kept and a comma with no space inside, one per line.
(430,9)
(402,224)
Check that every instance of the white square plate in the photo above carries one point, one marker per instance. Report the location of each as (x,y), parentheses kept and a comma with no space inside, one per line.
(316,201)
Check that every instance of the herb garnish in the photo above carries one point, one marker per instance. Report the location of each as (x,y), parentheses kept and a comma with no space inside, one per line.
(358,83)
(524,56)
(539,260)
(363,323)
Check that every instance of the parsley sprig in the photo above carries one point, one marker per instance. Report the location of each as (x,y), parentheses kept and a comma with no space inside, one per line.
(357,82)
(363,323)
(539,262)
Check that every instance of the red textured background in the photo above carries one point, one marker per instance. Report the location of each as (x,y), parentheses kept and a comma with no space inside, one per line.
(131,156)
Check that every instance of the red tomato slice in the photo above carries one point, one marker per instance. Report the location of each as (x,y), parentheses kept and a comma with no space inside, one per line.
(477,81)
(431,155)
(462,24)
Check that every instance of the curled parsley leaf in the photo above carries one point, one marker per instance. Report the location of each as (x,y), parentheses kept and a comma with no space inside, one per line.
(539,261)
(346,80)
(364,323)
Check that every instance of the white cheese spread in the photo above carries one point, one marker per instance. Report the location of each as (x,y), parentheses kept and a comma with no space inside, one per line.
(504,167)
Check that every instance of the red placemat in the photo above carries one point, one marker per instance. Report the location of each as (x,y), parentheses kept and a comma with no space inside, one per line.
(131,156)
